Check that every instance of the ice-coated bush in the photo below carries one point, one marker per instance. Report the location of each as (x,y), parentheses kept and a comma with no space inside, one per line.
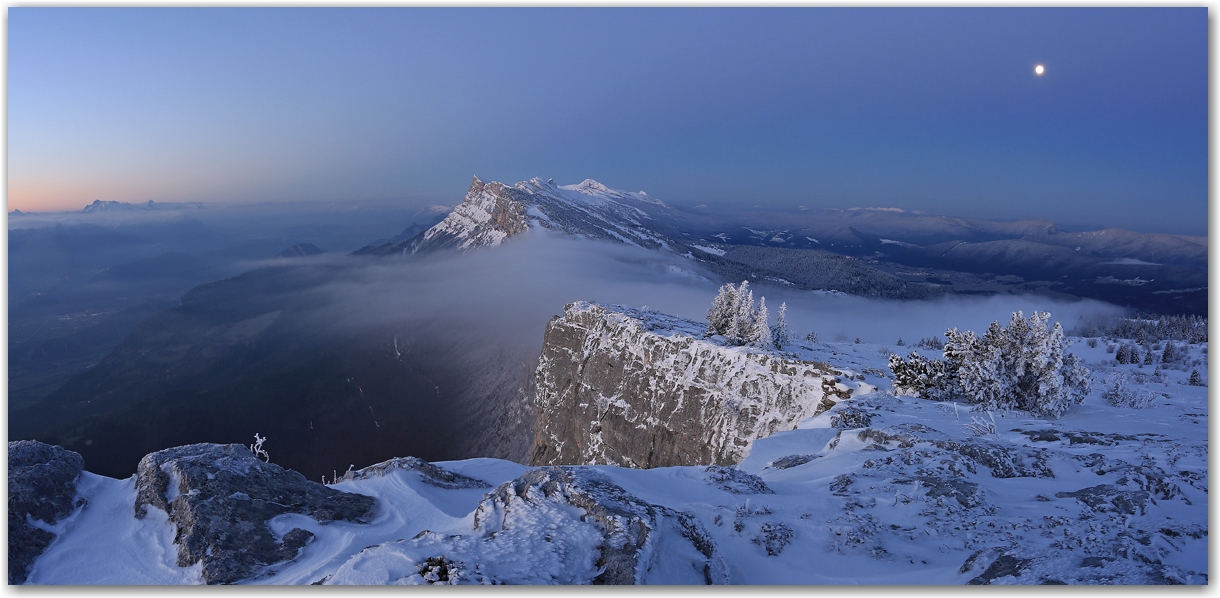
(981,427)
(1122,392)
(1019,366)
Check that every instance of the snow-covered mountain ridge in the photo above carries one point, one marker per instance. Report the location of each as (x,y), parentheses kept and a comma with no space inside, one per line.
(621,386)
(492,212)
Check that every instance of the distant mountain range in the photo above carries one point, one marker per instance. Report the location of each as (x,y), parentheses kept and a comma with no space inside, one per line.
(889,252)
(121,206)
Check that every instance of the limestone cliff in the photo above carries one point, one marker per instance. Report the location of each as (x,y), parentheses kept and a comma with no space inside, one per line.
(620,386)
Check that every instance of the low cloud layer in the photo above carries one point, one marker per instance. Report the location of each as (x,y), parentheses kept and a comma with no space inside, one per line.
(512,291)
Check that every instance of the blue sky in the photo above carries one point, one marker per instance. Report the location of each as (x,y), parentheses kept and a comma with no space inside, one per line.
(928,109)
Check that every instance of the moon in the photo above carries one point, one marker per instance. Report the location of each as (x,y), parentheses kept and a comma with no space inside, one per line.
(1039,70)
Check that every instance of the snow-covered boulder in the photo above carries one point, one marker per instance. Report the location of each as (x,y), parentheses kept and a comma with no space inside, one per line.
(41,491)
(620,386)
(554,525)
(430,474)
(220,497)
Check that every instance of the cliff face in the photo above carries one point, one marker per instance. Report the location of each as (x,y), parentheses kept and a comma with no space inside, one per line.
(619,386)
(489,215)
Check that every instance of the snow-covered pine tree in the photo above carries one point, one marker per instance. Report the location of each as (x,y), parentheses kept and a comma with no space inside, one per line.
(760,332)
(743,317)
(1021,366)
(724,309)
(1171,353)
(1148,358)
(1196,379)
(781,327)
(977,366)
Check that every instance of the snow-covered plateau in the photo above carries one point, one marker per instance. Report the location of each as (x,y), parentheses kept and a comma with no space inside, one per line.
(874,488)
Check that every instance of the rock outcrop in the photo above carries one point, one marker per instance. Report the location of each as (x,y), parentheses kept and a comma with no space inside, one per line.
(627,524)
(489,214)
(429,473)
(554,525)
(620,386)
(41,491)
(220,498)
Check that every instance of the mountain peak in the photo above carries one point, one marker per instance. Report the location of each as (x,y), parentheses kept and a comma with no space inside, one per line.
(591,185)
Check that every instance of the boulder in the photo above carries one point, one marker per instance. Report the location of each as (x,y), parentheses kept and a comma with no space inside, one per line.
(220,498)
(41,491)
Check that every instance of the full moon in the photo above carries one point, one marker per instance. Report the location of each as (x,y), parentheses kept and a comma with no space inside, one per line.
(1038,69)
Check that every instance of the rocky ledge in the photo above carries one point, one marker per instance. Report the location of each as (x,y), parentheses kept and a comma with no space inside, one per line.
(220,497)
(41,492)
(622,386)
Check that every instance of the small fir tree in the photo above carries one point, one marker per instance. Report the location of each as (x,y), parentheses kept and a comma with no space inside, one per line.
(1171,353)
(760,332)
(781,327)
(1196,379)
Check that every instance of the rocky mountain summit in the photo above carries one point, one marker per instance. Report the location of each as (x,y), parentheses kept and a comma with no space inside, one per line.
(494,211)
(620,386)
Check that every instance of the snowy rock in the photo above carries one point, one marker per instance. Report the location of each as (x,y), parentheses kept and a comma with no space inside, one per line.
(731,479)
(555,525)
(220,498)
(627,550)
(848,418)
(41,491)
(429,473)
(1004,566)
(791,461)
(619,386)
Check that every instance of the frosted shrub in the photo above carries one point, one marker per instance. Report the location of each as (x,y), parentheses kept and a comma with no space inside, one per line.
(257,448)
(981,427)
(1020,366)
(1121,392)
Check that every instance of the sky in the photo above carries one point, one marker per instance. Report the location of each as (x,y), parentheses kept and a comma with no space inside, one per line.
(937,110)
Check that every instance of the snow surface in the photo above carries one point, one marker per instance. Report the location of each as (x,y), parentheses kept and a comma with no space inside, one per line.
(883,504)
